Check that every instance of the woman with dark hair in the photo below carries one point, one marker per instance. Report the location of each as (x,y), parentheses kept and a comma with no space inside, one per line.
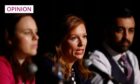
(21,43)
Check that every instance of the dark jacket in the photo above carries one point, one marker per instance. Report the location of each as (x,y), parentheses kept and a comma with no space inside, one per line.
(45,73)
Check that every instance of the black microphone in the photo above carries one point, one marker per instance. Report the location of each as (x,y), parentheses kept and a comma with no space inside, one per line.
(57,70)
(105,76)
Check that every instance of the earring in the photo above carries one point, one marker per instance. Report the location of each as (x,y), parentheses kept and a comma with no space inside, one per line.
(9,42)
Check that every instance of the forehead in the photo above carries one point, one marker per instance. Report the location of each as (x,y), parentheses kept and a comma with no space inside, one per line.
(26,22)
(78,29)
(125,21)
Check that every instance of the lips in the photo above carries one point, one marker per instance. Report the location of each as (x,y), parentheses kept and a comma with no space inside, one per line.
(35,46)
(126,43)
(79,52)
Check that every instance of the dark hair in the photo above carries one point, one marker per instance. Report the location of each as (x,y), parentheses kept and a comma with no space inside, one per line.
(124,12)
(118,13)
(121,13)
(109,21)
(12,20)
(18,70)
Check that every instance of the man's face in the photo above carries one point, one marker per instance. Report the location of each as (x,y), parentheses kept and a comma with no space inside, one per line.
(123,34)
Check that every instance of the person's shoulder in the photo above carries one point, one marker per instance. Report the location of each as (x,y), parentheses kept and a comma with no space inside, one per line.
(5,66)
(131,55)
(99,51)
(133,58)
(2,57)
(3,60)
(6,73)
(97,54)
(100,60)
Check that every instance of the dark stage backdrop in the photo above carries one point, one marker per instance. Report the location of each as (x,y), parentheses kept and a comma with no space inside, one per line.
(49,12)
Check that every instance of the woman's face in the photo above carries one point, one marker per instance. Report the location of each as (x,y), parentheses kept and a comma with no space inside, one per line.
(26,38)
(76,42)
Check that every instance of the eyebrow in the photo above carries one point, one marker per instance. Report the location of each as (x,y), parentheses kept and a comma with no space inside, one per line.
(29,29)
(76,34)
(124,27)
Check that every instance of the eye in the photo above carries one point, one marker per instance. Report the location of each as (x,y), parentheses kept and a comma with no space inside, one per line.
(27,32)
(119,29)
(73,38)
(131,30)
(84,36)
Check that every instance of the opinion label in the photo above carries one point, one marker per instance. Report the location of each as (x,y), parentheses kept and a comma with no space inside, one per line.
(19,8)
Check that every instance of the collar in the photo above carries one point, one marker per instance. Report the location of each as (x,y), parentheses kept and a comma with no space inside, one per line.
(115,55)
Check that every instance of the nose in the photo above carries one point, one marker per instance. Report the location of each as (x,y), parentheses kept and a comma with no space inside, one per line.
(125,35)
(81,42)
(35,36)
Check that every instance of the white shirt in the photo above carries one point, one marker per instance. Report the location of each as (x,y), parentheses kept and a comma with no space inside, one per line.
(100,61)
(115,55)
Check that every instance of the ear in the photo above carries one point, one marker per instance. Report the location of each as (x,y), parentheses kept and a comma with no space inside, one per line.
(7,38)
(9,42)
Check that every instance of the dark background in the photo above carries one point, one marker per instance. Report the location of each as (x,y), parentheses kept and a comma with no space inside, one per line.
(93,12)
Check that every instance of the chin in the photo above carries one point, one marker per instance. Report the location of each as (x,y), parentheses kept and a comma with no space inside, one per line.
(79,56)
(122,49)
(33,53)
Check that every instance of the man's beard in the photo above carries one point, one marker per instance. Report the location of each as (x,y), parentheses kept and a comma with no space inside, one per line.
(119,46)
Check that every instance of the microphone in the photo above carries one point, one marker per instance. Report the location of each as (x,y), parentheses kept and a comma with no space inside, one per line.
(105,76)
(32,68)
(57,71)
